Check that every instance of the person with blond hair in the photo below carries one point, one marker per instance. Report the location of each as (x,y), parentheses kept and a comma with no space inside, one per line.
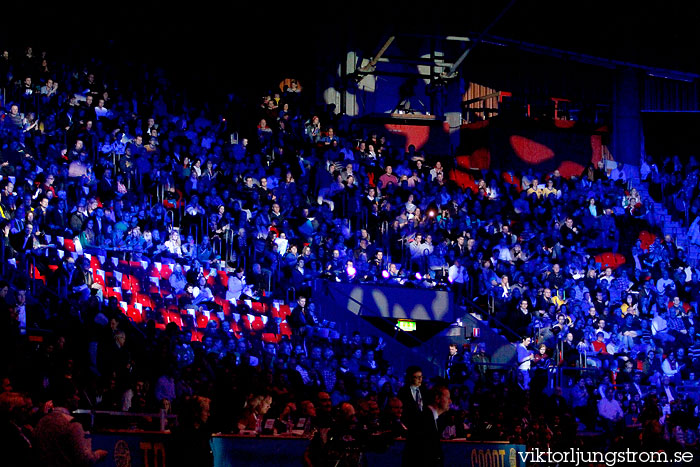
(253,413)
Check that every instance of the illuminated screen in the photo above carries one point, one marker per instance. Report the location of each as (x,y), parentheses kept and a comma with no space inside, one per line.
(406,325)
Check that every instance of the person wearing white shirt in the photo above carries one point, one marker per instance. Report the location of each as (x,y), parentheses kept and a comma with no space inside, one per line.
(607,276)
(504,253)
(418,248)
(456,273)
(525,357)
(601,329)
(101,111)
(665,283)
(671,368)
(410,207)
(173,245)
(21,310)
(202,292)
(457,276)
(609,409)
(237,286)
(437,169)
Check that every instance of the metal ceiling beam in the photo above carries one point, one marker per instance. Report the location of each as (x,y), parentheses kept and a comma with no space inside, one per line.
(436,36)
(565,54)
(590,59)
(415,61)
(400,74)
(470,47)
(373,62)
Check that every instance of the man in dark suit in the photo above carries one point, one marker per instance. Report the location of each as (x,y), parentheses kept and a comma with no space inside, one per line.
(454,366)
(636,386)
(423,439)
(459,248)
(106,188)
(412,395)
(302,317)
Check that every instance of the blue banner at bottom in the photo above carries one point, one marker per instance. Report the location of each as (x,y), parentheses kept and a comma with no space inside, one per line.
(141,449)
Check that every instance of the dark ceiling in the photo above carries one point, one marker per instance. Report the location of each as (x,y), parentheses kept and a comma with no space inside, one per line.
(254,38)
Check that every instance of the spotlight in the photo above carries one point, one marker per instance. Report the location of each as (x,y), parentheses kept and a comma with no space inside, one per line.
(419,276)
(351,270)
(385,274)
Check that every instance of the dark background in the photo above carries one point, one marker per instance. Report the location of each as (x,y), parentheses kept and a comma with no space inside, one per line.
(247,48)
(237,42)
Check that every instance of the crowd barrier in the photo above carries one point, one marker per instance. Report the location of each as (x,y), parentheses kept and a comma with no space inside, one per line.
(150,449)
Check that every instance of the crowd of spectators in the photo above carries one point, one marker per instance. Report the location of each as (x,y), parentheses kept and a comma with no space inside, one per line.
(128,204)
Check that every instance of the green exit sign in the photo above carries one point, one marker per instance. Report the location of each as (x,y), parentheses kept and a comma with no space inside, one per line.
(406,325)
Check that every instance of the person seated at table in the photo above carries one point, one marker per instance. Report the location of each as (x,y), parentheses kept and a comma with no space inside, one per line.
(254,412)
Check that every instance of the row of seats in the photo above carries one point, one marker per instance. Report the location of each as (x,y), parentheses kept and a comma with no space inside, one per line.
(126,283)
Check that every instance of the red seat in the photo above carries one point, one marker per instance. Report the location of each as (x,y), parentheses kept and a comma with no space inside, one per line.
(134,284)
(285,330)
(235,328)
(223,278)
(211,280)
(111,292)
(143,300)
(271,338)
(257,324)
(285,311)
(647,239)
(258,307)
(176,318)
(95,263)
(98,276)
(610,259)
(202,320)
(134,314)
(197,336)
(35,274)
(53,267)
(69,245)
(165,272)
(274,312)
(246,322)
(154,272)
